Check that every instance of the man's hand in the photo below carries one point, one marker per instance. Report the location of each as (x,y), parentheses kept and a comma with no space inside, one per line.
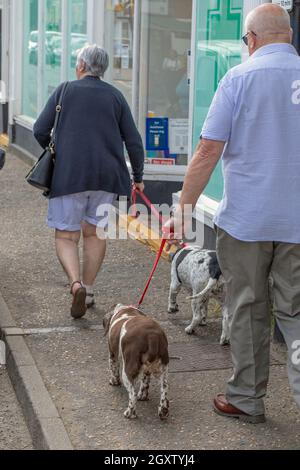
(140,187)
(169,233)
(175,229)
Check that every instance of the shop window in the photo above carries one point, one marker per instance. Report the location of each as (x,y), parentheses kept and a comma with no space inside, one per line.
(53,46)
(164,83)
(219,26)
(77,34)
(30,58)
(119,23)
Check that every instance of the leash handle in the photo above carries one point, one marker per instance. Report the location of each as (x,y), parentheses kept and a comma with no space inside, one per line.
(148,203)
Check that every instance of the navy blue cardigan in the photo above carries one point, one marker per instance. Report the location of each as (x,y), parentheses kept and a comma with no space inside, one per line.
(94,124)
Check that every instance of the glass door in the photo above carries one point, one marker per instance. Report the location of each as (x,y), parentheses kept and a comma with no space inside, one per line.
(219,25)
(164,83)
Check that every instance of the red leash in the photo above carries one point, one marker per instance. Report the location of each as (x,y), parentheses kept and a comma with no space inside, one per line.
(148,203)
(135,191)
(158,256)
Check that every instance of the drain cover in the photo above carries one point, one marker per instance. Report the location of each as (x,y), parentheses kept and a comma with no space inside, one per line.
(185,357)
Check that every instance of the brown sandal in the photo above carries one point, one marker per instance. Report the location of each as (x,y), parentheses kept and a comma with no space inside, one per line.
(78,309)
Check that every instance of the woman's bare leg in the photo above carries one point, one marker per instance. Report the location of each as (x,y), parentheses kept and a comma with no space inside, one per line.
(94,250)
(68,254)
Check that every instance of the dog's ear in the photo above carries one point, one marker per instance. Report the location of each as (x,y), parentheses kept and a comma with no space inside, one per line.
(106,322)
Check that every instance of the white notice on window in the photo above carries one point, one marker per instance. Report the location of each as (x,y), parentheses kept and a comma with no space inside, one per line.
(178,136)
(125,56)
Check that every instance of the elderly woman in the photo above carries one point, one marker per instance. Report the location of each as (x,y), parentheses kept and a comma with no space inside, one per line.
(90,168)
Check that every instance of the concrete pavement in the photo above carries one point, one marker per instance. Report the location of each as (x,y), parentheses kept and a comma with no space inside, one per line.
(14,434)
(71,357)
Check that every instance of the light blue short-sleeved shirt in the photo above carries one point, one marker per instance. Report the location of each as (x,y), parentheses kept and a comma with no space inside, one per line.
(256,110)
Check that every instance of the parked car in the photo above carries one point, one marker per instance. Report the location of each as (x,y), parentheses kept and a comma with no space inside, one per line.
(50,38)
(78,41)
(33,48)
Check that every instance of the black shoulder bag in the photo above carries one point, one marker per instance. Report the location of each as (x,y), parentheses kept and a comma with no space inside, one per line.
(40,175)
(2,159)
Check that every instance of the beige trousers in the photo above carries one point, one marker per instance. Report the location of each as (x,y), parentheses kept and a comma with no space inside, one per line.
(246,268)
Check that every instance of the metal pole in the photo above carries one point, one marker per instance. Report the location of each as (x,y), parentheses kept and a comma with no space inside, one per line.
(65,50)
(41,92)
(136,59)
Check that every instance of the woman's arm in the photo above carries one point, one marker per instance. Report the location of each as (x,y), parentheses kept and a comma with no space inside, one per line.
(133,142)
(44,124)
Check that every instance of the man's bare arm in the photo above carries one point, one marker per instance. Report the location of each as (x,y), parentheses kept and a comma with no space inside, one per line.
(204,161)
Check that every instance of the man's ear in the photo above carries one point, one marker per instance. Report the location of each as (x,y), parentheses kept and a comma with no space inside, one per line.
(81,66)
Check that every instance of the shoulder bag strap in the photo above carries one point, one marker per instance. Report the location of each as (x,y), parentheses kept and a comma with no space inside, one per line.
(58,112)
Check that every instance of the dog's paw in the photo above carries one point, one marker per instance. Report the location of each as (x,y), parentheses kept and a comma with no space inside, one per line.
(224,341)
(115,382)
(173,308)
(189,330)
(130,414)
(163,412)
(144,396)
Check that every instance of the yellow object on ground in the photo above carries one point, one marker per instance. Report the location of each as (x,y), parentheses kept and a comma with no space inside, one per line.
(4,140)
(140,232)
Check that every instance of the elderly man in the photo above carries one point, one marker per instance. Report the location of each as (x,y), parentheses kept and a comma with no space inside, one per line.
(90,170)
(254,121)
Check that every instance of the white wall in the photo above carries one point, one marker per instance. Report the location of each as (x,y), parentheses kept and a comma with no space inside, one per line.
(251,4)
(4,4)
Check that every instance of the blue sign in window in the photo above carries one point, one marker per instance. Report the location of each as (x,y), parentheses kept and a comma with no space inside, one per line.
(157,134)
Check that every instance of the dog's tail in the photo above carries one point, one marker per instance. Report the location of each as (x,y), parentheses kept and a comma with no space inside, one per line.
(211,283)
(156,355)
(153,349)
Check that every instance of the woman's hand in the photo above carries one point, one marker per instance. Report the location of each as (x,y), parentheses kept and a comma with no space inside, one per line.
(140,187)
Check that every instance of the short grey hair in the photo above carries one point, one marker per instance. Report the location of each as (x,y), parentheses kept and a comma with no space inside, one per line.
(94,58)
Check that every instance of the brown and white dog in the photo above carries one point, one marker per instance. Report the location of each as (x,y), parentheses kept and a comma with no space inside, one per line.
(138,348)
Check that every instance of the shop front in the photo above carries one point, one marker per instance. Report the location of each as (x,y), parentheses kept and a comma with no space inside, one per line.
(166,56)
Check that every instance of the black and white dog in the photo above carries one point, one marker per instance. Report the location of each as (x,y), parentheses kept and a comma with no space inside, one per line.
(198,271)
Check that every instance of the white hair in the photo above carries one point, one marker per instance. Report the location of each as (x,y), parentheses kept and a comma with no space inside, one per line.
(268,19)
(95,60)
